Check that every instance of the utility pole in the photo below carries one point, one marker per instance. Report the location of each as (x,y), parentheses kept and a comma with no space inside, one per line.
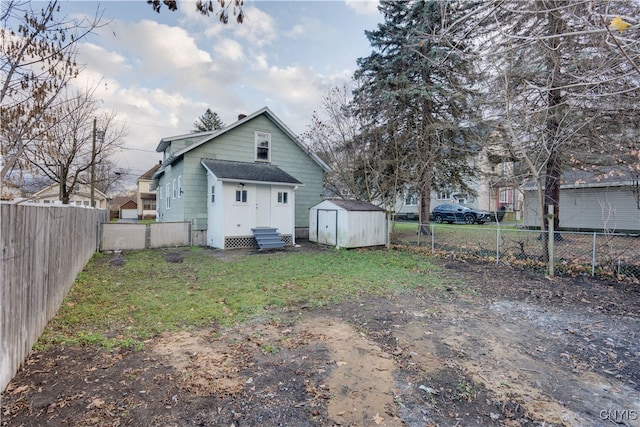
(93,165)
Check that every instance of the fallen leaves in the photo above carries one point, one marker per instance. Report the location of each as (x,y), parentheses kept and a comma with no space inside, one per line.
(619,24)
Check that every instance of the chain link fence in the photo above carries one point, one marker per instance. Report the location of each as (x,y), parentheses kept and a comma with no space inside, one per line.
(609,255)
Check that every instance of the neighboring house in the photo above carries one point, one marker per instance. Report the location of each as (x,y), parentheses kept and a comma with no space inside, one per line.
(591,200)
(80,196)
(495,188)
(252,173)
(146,203)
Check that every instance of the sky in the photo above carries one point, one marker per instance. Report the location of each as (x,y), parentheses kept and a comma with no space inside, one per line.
(160,71)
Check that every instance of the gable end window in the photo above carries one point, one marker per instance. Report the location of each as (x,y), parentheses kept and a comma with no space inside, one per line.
(263,146)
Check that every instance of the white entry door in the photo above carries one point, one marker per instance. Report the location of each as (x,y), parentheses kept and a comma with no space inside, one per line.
(263,206)
(327,227)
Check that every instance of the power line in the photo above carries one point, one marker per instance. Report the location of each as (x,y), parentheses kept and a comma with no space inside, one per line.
(139,149)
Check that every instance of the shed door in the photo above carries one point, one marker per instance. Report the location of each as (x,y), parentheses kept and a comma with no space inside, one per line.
(263,205)
(328,227)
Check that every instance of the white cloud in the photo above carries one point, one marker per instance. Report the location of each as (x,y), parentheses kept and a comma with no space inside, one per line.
(161,77)
(259,28)
(297,31)
(229,49)
(364,7)
(157,46)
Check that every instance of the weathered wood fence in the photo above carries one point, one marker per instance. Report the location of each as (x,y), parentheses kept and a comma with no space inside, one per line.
(43,250)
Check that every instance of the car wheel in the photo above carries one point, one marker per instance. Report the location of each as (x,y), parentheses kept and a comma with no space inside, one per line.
(469,219)
(437,218)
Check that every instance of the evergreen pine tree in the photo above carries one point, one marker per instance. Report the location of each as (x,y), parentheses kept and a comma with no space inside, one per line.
(415,93)
(207,122)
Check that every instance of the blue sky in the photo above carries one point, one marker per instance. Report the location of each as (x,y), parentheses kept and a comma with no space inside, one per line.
(160,72)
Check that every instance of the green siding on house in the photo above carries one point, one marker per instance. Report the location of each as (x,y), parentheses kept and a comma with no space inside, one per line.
(238,144)
(176,211)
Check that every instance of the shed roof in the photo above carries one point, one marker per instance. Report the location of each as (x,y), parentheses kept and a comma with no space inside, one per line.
(355,205)
(228,170)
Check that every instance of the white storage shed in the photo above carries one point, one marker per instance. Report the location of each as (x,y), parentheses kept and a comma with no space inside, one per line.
(347,224)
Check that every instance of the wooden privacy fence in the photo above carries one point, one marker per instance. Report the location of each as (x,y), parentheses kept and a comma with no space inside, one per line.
(43,250)
(128,236)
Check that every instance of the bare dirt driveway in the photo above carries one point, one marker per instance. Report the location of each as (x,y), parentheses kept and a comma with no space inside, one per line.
(498,346)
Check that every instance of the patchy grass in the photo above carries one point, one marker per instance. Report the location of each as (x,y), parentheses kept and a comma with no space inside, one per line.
(124,300)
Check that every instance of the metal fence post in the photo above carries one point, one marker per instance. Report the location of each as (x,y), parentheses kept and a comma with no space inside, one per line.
(498,245)
(433,238)
(593,255)
(550,240)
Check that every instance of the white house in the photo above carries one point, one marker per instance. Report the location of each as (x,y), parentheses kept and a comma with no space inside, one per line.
(80,196)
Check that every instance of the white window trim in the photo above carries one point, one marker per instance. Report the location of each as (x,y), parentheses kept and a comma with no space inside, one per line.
(257,136)
(503,195)
(174,188)
(283,198)
(240,202)
(180,186)
(212,194)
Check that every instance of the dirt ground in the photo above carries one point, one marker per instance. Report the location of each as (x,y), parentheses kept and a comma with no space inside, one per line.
(509,348)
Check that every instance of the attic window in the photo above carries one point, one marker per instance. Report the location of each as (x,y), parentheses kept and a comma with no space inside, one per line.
(263,146)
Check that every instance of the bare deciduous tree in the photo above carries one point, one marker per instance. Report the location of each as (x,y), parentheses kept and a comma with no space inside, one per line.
(38,60)
(81,138)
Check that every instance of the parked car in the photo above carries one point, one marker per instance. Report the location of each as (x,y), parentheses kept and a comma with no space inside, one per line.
(455,212)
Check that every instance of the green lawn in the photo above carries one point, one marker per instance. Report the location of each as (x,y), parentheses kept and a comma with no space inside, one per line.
(125,305)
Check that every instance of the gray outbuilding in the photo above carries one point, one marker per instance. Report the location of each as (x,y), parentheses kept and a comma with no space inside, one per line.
(347,224)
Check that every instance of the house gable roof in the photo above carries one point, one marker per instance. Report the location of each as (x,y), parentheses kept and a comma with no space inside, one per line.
(82,190)
(148,175)
(601,177)
(227,170)
(204,137)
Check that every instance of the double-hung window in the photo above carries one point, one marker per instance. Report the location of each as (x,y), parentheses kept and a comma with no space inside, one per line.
(263,146)
(168,198)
